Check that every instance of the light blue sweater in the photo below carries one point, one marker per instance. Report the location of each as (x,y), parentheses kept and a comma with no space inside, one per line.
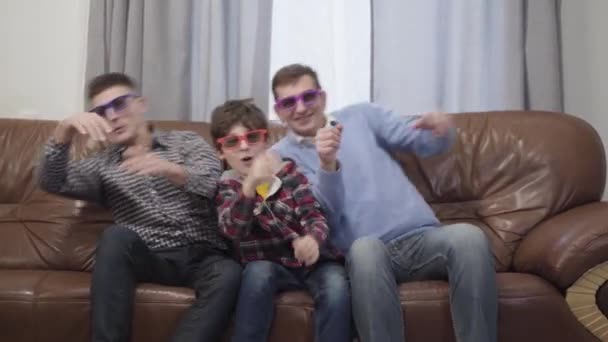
(369,195)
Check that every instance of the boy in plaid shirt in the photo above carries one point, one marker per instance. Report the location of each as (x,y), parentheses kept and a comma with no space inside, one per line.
(279,231)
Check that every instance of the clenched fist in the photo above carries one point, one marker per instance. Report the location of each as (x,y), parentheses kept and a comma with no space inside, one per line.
(306,249)
(327,143)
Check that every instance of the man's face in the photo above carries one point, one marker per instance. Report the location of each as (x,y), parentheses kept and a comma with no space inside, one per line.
(123,110)
(240,146)
(301,105)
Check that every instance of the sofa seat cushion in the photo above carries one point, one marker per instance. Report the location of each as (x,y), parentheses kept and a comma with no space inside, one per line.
(56,304)
(530,309)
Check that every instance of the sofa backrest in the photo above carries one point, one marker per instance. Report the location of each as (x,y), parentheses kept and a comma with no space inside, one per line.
(43,231)
(507,172)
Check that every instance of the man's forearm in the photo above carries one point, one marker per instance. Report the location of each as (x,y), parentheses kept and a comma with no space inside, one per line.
(329,190)
(61,135)
(53,167)
(429,144)
(76,179)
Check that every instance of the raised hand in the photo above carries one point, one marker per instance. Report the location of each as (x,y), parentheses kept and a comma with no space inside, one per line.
(438,122)
(263,169)
(327,143)
(89,124)
(149,164)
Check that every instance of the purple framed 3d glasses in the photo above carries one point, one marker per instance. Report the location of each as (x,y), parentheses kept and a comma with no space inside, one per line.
(117,104)
(308,98)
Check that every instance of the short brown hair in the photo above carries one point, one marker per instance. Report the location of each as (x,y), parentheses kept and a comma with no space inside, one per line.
(290,74)
(234,112)
(108,80)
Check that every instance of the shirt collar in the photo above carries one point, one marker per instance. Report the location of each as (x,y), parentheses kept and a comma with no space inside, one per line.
(159,140)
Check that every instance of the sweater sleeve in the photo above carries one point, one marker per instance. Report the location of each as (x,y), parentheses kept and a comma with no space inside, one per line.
(398,132)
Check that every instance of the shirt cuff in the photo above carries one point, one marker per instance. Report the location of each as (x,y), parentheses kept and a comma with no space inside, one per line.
(329,178)
(53,148)
(317,233)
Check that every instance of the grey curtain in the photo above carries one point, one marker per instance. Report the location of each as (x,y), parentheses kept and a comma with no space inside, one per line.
(187,55)
(466,55)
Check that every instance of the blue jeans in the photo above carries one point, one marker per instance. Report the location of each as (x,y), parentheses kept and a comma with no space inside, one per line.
(262,280)
(459,253)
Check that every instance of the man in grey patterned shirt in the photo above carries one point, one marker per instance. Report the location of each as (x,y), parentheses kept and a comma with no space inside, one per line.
(159,187)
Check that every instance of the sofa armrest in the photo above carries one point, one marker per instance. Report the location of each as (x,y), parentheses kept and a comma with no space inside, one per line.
(565,246)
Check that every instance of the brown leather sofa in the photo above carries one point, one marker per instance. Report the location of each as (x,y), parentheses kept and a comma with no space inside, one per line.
(531,180)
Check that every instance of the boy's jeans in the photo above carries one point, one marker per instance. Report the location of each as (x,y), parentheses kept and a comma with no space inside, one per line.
(458,253)
(262,280)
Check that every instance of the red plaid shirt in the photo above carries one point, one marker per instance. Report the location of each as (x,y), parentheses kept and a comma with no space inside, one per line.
(264,229)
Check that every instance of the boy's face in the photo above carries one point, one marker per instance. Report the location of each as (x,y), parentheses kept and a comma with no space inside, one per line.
(240,146)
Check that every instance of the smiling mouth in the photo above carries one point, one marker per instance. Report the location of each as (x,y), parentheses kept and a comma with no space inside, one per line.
(246,159)
(303,117)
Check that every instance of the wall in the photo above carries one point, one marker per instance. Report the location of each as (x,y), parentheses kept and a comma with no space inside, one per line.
(42,62)
(585,61)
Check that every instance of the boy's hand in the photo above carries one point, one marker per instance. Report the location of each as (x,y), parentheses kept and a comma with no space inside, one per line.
(328,142)
(306,249)
(262,170)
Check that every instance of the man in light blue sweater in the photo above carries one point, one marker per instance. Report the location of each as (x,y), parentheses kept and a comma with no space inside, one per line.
(377,217)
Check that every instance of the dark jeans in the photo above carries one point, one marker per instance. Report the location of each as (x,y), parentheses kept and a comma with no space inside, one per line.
(123,260)
(459,253)
(327,283)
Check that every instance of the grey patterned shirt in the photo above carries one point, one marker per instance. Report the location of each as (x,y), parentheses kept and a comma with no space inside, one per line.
(162,213)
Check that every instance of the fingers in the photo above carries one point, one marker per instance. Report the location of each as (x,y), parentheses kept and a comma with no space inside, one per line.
(440,130)
(424,122)
(329,144)
(437,121)
(312,259)
(92,125)
(135,164)
(134,151)
(93,129)
(272,156)
(310,255)
(418,124)
(261,168)
(330,133)
(274,161)
(306,250)
(147,164)
(101,125)
(297,251)
(104,124)
(79,127)
(328,140)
